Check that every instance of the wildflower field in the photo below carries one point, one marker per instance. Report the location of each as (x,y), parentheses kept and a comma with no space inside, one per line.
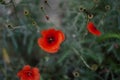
(59,39)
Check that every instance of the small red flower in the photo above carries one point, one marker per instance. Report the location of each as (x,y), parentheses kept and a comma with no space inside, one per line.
(51,40)
(92,29)
(28,73)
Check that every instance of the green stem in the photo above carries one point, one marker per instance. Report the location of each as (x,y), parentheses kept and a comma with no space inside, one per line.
(81,57)
(12,1)
(75,20)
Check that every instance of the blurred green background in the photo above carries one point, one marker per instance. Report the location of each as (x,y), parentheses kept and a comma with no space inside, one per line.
(82,56)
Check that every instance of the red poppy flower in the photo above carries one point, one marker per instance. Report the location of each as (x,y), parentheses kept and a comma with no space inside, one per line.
(28,73)
(51,40)
(92,29)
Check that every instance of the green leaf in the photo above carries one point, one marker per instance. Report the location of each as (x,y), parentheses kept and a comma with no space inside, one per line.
(63,56)
(97,57)
(30,45)
(109,36)
(41,78)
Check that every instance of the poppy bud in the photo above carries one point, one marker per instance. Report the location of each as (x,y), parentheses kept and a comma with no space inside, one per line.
(81,9)
(76,73)
(26,12)
(34,23)
(85,11)
(9,25)
(90,16)
(45,1)
(107,7)
(94,67)
(47,17)
(41,7)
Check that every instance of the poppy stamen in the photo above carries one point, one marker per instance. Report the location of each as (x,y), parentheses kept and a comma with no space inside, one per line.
(51,39)
(29,73)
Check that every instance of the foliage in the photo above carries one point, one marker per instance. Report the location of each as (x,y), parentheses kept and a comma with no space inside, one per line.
(82,56)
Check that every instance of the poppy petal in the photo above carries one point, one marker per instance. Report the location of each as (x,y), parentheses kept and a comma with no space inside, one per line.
(19,73)
(61,36)
(43,32)
(54,50)
(27,67)
(51,40)
(45,47)
(92,29)
(36,73)
(46,32)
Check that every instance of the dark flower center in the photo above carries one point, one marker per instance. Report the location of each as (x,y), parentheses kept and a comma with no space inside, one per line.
(50,39)
(94,28)
(29,73)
